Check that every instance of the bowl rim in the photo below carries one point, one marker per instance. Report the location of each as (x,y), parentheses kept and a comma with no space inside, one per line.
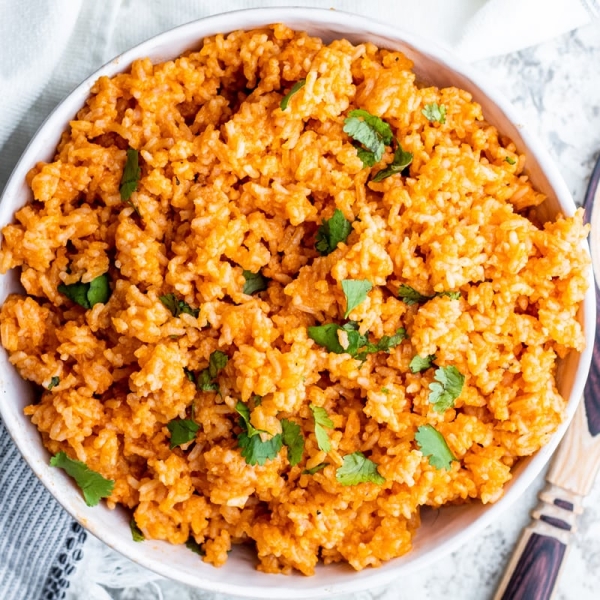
(256,17)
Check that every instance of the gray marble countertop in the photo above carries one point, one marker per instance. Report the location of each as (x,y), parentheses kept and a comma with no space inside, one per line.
(556,86)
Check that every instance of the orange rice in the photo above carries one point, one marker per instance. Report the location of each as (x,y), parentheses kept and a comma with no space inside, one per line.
(231,182)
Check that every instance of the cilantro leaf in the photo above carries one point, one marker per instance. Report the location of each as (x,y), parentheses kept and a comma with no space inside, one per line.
(357,468)
(182,431)
(217,362)
(92,484)
(448,387)
(193,545)
(316,469)
(401,160)
(87,294)
(368,158)
(189,374)
(131,175)
(253,449)
(411,296)
(371,131)
(136,532)
(99,290)
(295,88)
(356,291)
(255,282)
(435,112)
(387,342)
(322,421)
(332,232)
(433,445)
(53,383)
(510,160)
(419,363)
(291,436)
(327,336)
(206,378)
(453,295)
(177,307)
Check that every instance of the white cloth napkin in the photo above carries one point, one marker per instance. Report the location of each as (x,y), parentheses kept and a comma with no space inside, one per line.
(46,48)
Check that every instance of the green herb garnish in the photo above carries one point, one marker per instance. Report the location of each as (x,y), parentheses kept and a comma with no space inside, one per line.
(295,88)
(372,132)
(419,363)
(510,160)
(53,383)
(130,177)
(193,545)
(178,307)
(88,294)
(255,282)
(401,160)
(448,385)
(356,291)
(136,532)
(411,296)
(433,445)
(182,431)
(435,112)
(92,484)
(357,468)
(253,449)
(332,232)
(316,469)
(291,436)
(206,378)
(322,421)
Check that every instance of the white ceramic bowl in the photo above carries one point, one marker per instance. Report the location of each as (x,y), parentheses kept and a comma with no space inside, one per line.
(439,533)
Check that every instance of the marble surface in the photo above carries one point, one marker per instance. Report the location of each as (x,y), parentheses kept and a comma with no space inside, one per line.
(557,88)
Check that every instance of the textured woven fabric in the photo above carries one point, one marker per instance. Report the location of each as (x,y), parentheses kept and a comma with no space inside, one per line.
(39,542)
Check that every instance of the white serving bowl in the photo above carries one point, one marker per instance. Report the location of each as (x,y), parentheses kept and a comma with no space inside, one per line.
(439,533)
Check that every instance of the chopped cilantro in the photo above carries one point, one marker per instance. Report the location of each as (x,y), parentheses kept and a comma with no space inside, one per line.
(295,88)
(385,391)
(130,178)
(291,437)
(177,307)
(356,291)
(322,421)
(332,232)
(358,345)
(433,445)
(510,160)
(411,296)
(448,385)
(370,131)
(401,160)
(419,363)
(257,400)
(136,532)
(255,282)
(253,449)
(182,431)
(189,374)
(194,546)
(316,469)
(435,112)
(206,378)
(92,484)
(88,294)
(53,383)
(357,468)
